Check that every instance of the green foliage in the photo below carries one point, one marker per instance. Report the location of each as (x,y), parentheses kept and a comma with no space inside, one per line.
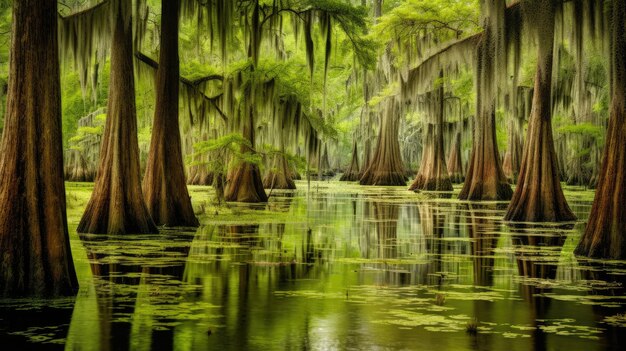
(585,129)
(388,91)
(227,147)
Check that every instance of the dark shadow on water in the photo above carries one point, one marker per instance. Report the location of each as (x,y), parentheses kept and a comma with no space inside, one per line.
(608,283)
(27,323)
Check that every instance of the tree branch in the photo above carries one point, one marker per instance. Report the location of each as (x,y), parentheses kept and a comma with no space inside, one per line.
(190,83)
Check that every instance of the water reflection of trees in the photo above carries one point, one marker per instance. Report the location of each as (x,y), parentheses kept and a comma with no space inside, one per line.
(483,226)
(537,252)
(608,286)
(130,277)
(238,264)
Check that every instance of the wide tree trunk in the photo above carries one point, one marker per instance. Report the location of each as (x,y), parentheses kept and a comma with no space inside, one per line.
(164,183)
(35,256)
(117,204)
(386,167)
(244,183)
(605,233)
(538,196)
(352,173)
(433,172)
(485,179)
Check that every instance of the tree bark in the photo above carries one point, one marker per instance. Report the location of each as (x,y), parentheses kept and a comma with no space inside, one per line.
(76,167)
(352,173)
(280,176)
(386,167)
(117,204)
(538,196)
(515,148)
(606,229)
(164,184)
(455,162)
(433,172)
(244,183)
(35,256)
(485,179)
(513,156)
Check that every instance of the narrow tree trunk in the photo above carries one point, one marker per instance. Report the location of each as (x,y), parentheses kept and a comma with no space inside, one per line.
(606,230)
(279,177)
(164,183)
(326,169)
(386,167)
(244,182)
(76,168)
(35,256)
(485,179)
(433,172)
(538,196)
(513,156)
(455,162)
(117,204)
(352,173)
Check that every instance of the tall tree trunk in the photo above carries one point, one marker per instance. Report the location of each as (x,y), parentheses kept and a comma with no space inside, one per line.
(606,229)
(35,256)
(279,177)
(455,162)
(352,173)
(538,196)
(386,167)
(117,204)
(433,172)
(513,156)
(164,183)
(485,179)
(244,183)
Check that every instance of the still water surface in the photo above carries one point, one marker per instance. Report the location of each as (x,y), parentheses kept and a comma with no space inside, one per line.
(346,267)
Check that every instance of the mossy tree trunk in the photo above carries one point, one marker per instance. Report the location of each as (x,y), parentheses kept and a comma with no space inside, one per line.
(513,156)
(280,176)
(244,182)
(455,160)
(515,148)
(433,172)
(164,183)
(485,179)
(538,196)
(35,256)
(386,167)
(605,233)
(117,204)
(76,168)
(352,173)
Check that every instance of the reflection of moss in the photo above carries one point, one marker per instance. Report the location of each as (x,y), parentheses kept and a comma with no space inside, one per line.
(324,254)
(618,320)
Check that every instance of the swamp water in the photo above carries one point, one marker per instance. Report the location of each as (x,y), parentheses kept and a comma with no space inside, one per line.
(347,267)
